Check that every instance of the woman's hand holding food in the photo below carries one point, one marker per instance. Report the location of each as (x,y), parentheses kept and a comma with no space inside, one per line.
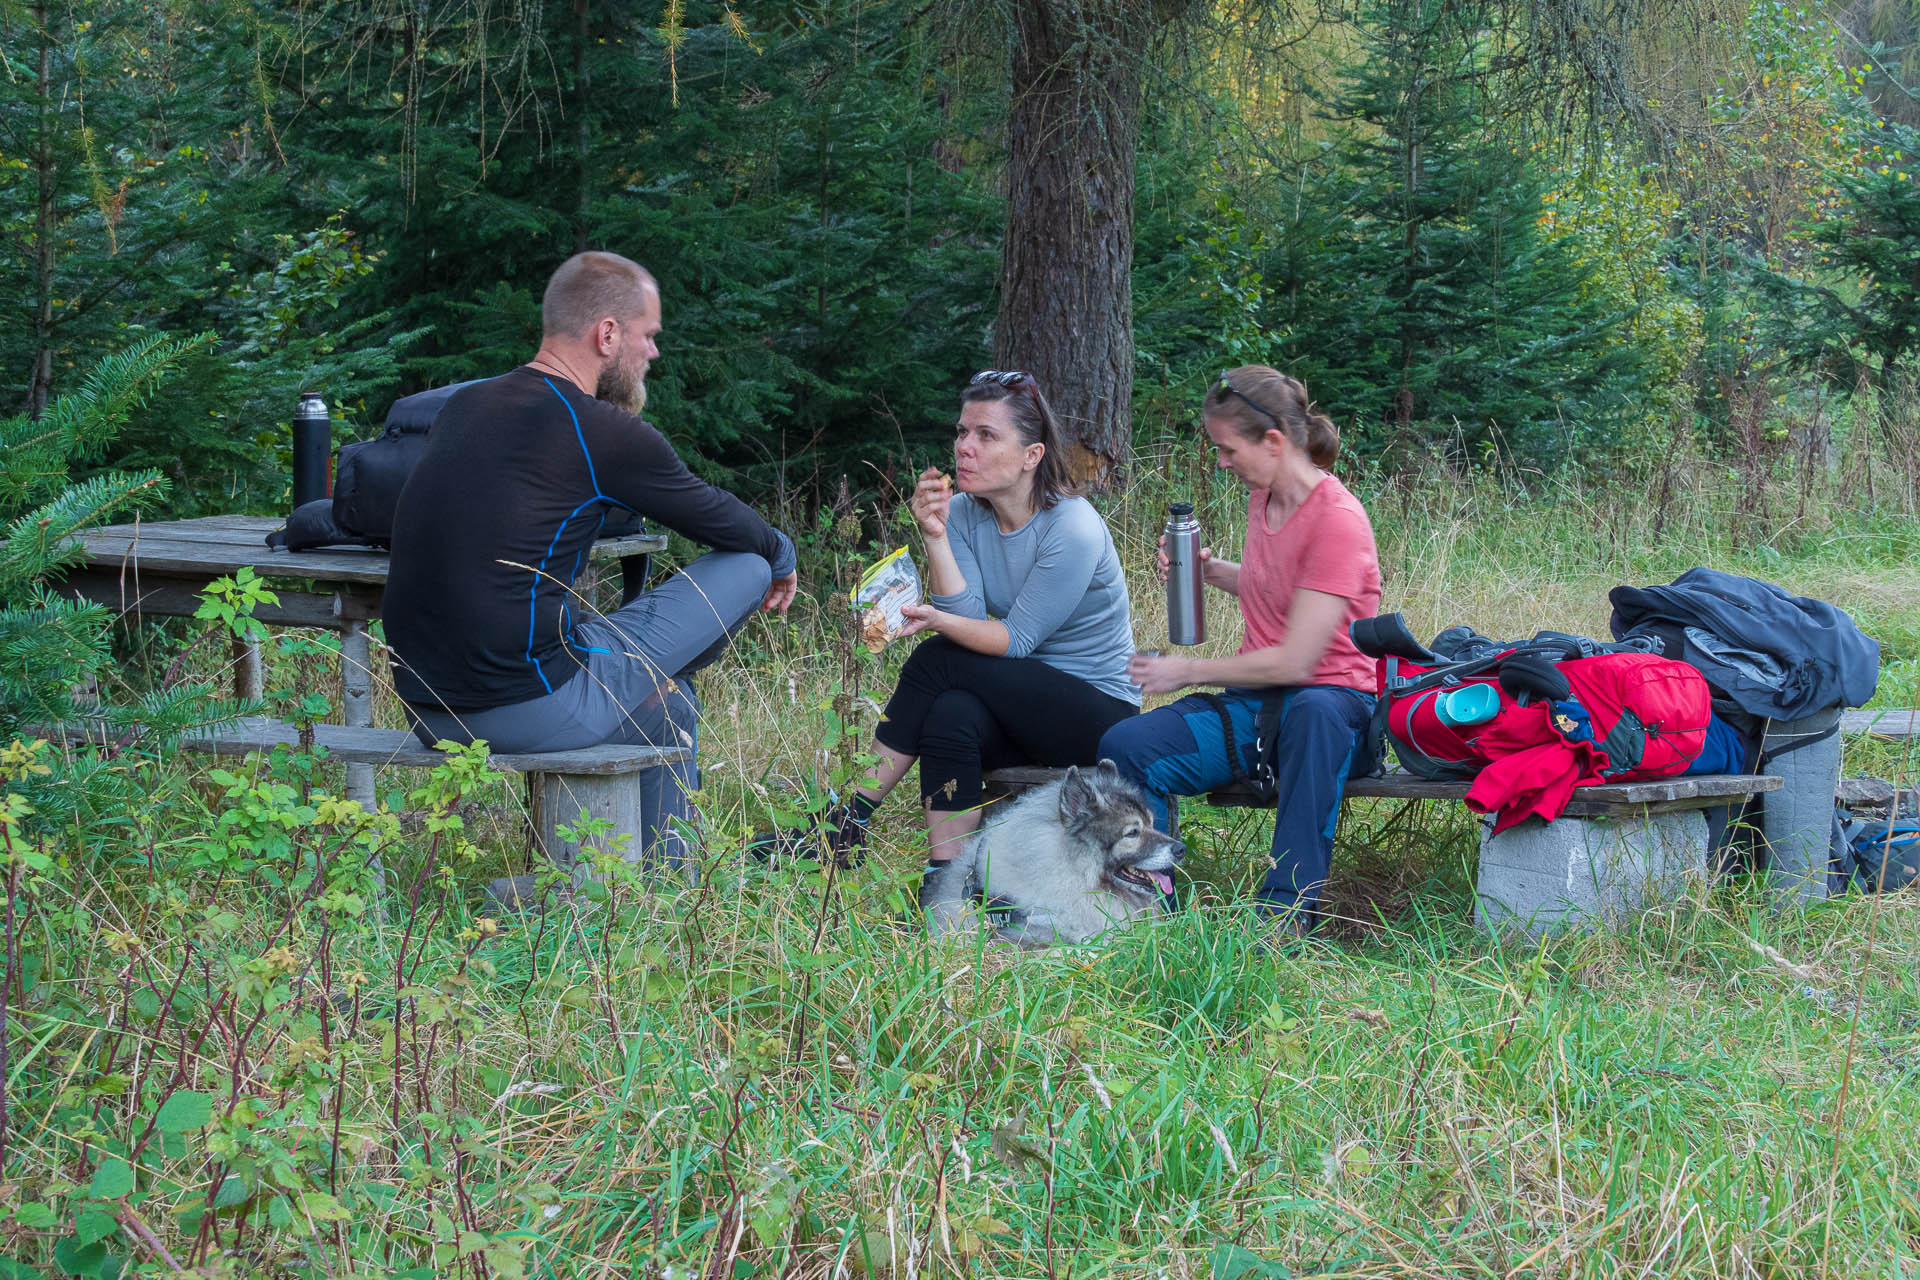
(931,498)
(920,617)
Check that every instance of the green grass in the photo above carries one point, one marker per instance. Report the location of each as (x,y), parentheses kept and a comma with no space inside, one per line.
(772,1074)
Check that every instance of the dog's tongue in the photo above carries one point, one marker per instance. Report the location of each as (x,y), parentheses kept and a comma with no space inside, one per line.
(1161,881)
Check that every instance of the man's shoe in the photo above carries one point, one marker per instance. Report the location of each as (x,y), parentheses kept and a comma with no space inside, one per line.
(1285,931)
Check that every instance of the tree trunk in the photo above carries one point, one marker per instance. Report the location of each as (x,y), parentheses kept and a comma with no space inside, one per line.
(1066,292)
(582,125)
(40,383)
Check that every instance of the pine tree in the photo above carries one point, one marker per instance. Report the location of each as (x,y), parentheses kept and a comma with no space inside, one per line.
(827,271)
(1423,300)
(49,643)
(1858,312)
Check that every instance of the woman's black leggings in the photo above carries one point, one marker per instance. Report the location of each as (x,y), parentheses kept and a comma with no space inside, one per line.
(964,713)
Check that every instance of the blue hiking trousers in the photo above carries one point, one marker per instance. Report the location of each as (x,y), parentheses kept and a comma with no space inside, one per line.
(1180,749)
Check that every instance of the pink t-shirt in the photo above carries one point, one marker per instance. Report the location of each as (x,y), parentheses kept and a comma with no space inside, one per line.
(1326,545)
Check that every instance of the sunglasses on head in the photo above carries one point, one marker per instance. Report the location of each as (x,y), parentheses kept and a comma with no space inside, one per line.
(1000,377)
(1226,385)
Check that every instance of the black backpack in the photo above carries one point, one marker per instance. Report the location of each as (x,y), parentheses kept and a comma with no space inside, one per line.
(368,476)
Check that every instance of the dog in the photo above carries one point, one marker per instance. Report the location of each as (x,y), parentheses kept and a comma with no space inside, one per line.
(1064,863)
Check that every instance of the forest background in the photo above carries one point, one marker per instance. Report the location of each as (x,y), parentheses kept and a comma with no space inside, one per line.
(1532,234)
(1596,291)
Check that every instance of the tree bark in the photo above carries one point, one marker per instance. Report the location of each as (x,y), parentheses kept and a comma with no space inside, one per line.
(582,125)
(40,383)
(1066,293)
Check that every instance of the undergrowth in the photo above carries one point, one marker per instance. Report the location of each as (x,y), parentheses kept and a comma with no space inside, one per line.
(252,1031)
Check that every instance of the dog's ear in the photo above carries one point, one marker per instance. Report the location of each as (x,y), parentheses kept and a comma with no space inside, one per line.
(1076,797)
(1108,769)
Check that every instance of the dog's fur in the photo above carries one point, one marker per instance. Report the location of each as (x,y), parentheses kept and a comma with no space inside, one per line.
(1068,860)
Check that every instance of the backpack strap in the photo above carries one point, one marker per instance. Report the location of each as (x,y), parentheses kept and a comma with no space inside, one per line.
(1261,787)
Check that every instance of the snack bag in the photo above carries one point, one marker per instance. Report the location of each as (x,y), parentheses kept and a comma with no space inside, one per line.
(884,590)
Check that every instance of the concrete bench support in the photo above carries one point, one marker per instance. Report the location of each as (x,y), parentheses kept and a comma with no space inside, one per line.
(1540,877)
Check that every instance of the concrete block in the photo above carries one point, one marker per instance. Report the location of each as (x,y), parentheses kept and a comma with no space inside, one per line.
(1797,823)
(1583,872)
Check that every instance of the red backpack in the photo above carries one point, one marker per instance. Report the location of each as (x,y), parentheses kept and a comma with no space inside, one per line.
(1627,712)
(1636,715)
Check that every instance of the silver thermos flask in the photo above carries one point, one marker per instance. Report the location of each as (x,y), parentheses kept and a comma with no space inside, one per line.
(1186,615)
(312,441)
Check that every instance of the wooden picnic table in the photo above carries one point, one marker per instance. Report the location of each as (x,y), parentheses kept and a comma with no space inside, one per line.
(161,568)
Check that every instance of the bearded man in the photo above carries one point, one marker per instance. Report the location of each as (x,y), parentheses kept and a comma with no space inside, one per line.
(489,639)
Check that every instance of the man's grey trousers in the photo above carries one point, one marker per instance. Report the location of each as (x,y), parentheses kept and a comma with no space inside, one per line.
(634,687)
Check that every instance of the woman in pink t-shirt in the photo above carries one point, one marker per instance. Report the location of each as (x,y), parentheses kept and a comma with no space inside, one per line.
(1309,569)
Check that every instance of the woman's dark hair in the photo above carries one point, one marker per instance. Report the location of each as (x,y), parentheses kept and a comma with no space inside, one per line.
(1257,399)
(1033,420)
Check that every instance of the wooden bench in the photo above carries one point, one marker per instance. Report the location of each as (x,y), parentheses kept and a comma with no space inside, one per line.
(603,781)
(1898,723)
(1618,848)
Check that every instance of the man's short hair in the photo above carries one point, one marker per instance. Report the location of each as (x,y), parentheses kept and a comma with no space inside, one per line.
(588,287)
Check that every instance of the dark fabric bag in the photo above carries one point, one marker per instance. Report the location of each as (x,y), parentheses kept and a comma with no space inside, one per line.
(368,476)
(312,525)
(1884,854)
(1776,656)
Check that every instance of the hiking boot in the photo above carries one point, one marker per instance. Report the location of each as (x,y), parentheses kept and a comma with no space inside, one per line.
(946,903)
(1287,931)
(838,831)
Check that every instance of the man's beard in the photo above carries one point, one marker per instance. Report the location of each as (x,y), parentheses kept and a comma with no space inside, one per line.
(620,386)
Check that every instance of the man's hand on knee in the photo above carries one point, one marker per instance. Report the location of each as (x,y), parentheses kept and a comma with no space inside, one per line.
(780,595)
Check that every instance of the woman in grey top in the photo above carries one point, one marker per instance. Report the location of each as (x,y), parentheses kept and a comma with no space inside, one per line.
(1028,660)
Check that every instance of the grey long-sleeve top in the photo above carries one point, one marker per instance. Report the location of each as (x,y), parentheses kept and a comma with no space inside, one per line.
(1055,582)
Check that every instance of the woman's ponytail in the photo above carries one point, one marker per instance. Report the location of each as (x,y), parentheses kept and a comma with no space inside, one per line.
(1323,439)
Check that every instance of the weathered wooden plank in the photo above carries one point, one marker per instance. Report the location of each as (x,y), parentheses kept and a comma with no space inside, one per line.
(1607,800)
(247,534)
(1886,722)
(206,561)
(225,525)
(195,532)
(214,560)
(180,597)
(356,705)
(209,547)
(398,747)
(634,544)
(1876,795)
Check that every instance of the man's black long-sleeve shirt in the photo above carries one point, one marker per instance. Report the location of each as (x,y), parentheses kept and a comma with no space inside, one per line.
(494,525)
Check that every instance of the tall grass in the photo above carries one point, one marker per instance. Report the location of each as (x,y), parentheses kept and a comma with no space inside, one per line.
(775,1074)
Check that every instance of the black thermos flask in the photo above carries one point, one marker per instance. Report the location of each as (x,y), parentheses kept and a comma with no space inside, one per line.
(312,442)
